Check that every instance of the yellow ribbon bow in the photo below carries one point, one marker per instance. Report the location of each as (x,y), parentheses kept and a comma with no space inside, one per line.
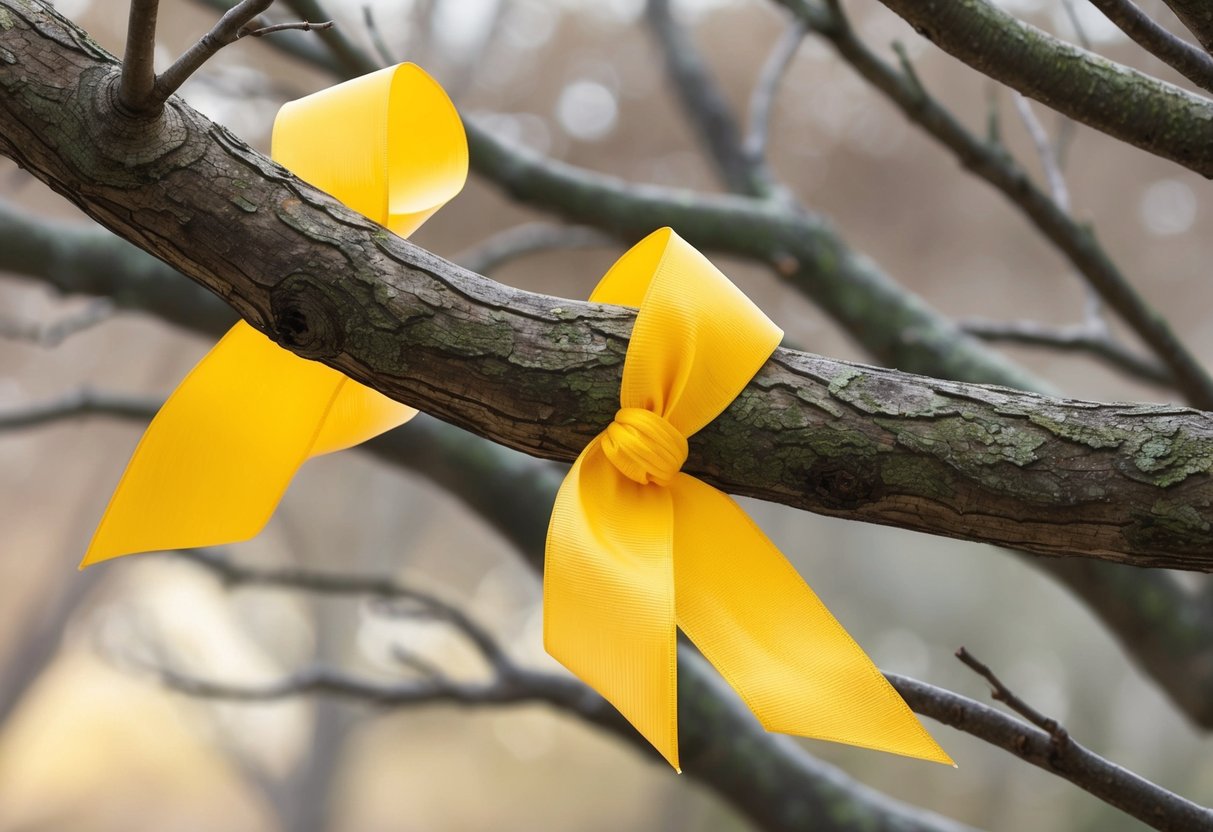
(217,458)
(635,547)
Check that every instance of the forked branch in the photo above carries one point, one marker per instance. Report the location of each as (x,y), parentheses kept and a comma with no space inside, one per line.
(141,91)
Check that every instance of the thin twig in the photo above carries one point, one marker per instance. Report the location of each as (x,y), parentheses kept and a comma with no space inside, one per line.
(1105,780)
(529,238)
(762,101)
(300,26)
(384,52)
(235,574)
(53,333)
(1005,695)
(135,89)
(1189,61)
(1081,338)
(1051,163)
(993,115)
(1080,31)
(226,31)
(1044,150)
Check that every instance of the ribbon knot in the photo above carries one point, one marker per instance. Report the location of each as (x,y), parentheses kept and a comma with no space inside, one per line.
(644,446)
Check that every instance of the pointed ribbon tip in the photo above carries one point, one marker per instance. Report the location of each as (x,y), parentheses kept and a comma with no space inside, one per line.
(637,549)
(214,463)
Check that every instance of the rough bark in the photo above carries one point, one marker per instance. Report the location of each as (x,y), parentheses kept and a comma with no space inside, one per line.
(1158,117)
(1122,482)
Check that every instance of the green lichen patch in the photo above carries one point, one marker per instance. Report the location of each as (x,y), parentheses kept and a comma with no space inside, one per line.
(1083,432)
(845,376)
(878,393)
(968,444)
(1168,458)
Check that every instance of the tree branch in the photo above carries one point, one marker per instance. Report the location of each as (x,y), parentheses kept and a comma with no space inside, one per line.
(529,238)
(1116,786)
(948,458)
(1153,616)
(50,334)
(510,683)
(138,63)
(1197,15)
(298,26)
(1183,57)
(1153,115)
(1081,338)
(762,100)
(792,781)
(988,161)
(228,30)
(705,105)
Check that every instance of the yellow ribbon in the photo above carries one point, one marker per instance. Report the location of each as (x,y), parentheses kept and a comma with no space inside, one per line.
(636,548)
(217,458)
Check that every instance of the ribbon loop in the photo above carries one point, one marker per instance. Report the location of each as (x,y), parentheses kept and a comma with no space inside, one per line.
(645,447)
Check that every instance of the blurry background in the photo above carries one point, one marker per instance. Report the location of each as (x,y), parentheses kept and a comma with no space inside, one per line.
(88,743)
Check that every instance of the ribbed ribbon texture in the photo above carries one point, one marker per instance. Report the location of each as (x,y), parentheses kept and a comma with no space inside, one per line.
(217,458)
(636,548)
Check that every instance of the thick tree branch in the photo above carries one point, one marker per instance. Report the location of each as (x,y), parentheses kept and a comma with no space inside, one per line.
(1126,483)
(1158,117)
(1155,618)
(1183,57)
(891,323)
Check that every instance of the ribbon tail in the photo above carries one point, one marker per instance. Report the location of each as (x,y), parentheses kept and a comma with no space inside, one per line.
(217,458)
(755,619)
(608,594)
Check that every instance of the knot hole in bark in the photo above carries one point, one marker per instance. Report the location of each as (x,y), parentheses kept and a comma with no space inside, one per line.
(304,318)
(841,486)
